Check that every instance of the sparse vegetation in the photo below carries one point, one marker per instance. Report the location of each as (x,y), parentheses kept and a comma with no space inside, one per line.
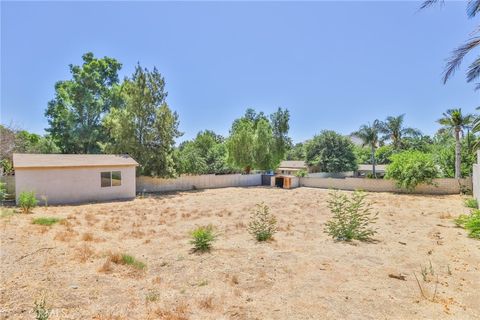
(126,259)
(3,191)
(471,203)
(41,310)
(262,224)
(352,217)
(46,221)
(6,212)
(202,238)
(27,201)
(470,222)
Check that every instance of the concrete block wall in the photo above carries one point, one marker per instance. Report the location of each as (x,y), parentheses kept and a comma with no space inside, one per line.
(441,186)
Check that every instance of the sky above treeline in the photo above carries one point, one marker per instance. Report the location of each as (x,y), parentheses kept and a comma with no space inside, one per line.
(334,65)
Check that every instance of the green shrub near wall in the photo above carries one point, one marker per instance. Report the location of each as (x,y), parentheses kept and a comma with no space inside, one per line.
(411,168)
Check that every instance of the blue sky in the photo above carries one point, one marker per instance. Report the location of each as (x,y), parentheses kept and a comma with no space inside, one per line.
(334,65)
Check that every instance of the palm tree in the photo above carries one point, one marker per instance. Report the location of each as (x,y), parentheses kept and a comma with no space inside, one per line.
(368,133)
(454,120)
(393,130)
(455,60)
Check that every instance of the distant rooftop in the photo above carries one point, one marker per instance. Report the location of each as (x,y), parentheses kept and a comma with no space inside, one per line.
(28,160)
(368,167)
(292,164)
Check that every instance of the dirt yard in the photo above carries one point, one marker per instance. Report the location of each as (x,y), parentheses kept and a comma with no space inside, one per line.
(302,274)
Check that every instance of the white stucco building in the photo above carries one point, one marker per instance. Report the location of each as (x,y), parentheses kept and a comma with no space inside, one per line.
(72,178)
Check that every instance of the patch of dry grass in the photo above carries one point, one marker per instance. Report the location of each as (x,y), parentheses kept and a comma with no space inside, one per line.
(83,253)
(179,312)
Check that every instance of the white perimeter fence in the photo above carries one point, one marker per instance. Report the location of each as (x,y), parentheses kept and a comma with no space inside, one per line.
(209,181)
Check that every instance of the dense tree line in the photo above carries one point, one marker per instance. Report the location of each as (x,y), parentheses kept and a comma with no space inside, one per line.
(95,112)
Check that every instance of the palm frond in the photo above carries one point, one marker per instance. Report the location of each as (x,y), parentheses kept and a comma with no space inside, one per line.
(477,86)
(429,3)
(473,7)
(473,70)
(457,56)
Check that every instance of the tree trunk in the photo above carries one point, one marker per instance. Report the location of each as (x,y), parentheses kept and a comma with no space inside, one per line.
(247,169)
(373,163)
(458,154)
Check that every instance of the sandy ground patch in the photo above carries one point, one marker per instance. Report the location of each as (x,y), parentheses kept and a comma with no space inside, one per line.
(302,274)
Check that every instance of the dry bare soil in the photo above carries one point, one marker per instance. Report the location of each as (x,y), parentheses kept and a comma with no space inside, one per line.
(301,274)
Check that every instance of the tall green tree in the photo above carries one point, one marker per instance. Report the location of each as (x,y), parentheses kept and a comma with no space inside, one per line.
(206,154)
(369,134)
(455,60)
(330,152)
(145,128)
(75,114)
(296,152)
(455,121)
(240,144)
(259,142)
(280,126)
(265,156)
(393,130)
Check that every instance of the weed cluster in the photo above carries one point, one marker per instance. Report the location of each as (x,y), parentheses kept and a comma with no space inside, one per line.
(470,222)
(202,238)
(46,221)
(128,260)
(262,224)
(471,203)
(352,217)
(41,310)
(27,201)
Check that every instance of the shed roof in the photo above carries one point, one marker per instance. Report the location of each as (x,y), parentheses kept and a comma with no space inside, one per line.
(368,167)
(293,164)
(27,160)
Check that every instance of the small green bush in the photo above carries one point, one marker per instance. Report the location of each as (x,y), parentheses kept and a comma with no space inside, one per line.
(411,168)
(202,238)
(262,223)
(41,310)
(352,217)
(471,223)
(46,221)
(27,201)
(471,203)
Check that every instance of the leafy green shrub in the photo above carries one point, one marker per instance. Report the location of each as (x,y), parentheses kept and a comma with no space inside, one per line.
(383,154)
(410,168)
(46,221)
(471,223)
(27,201)
(301,173)
(471,203)
(41,311)
(202,238)
(352,217)
(262,224)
